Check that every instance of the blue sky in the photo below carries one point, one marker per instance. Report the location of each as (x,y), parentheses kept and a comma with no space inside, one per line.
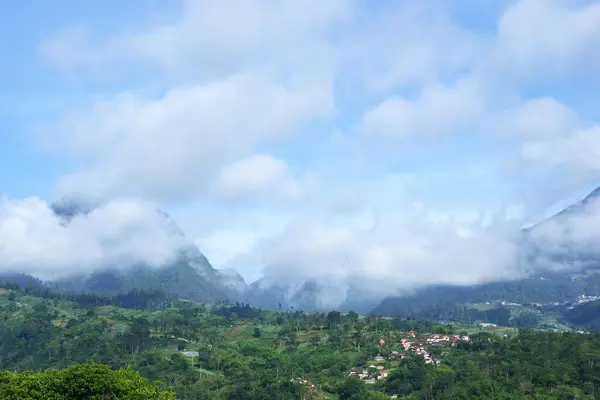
(257,123)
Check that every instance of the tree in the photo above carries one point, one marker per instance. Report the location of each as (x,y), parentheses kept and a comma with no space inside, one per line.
(81,381)
(333,318)
(353,317)
(256,332)
(373,395)
(352,389)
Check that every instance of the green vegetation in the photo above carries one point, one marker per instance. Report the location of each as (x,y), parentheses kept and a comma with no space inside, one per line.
(179,279)
(92,382)
(455,303)
(121,344)
(586,316)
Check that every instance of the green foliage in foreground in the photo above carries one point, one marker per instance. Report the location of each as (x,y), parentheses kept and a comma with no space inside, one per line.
(81,381)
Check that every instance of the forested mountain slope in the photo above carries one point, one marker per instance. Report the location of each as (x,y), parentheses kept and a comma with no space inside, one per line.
(190,276)
(559,272)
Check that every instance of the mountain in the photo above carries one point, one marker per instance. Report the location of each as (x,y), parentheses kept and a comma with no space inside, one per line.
(435,302)
(23,280)
(73,205)
(556,273)
(577,207)
(309,295)
(232,279)
(178,279)
(586,316)
(270,292)
(190,276)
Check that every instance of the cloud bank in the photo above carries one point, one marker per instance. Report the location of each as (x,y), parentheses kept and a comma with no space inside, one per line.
(571,239)
(236,83)
(399,253)
(117,234)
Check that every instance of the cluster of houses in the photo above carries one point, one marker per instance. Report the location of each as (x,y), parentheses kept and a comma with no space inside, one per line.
(370,375)
(581,299)
(433,339)
(418,346)
(310,387)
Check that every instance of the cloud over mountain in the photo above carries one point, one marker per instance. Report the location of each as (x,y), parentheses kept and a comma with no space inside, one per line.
(395,254)
(293,139)
(118,234)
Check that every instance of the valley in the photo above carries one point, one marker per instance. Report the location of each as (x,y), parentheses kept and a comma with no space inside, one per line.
(226,351)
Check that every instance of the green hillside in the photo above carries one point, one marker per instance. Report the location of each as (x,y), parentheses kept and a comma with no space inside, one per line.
(238,352)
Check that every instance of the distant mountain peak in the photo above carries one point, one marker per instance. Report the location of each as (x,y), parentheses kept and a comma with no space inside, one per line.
(570,210)
(189,269)
(74,204)
(594,195)
(232,279)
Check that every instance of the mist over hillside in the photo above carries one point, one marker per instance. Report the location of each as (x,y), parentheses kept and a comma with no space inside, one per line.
(124,244)
(337,152)
(559,257)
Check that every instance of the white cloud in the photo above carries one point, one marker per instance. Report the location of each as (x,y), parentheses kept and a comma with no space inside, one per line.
(245,78)
(536,39)
(207,40)
(172,147)
(119,234)
(438,110)
(553,135)
(570,234)
(260,175)
(406,44)
(542,38)
(421,246)
(402,252)
(542,118)
(577,152)
(235,80)
(253,174)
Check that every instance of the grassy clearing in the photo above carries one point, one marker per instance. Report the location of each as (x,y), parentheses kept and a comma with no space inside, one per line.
(328,396)
(206,372)
(498,330)
(480,306)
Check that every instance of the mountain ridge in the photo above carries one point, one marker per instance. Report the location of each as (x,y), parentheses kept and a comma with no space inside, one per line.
(190,275)
(539,284)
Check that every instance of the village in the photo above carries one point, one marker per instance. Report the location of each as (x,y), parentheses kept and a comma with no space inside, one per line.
(579,300)
(412,344)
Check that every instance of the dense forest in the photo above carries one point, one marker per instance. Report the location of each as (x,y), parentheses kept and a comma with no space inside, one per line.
(551,287)
(234,351)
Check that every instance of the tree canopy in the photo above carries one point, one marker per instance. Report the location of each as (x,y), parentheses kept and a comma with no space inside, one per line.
(81,381)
